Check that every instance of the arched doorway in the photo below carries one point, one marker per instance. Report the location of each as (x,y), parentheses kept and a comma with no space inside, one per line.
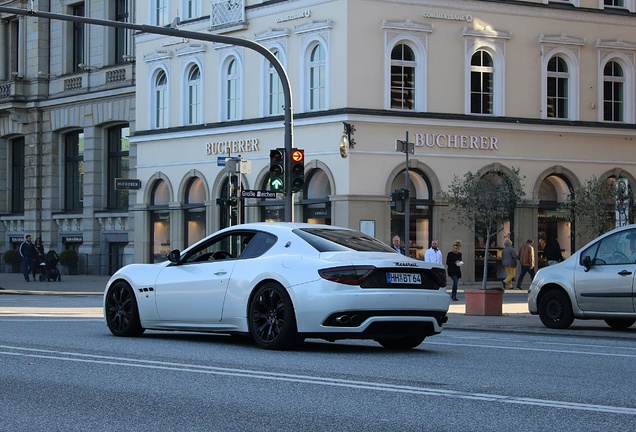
(553,218)
(159,221)
(194,211)
(420,213)
(229,214)
(316,204)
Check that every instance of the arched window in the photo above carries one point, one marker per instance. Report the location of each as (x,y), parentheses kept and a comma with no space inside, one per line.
(403,77)
(317,78)
(557,88)
(275,97)
(232,91)
(481,83)
(194,96)
(160,102)
(613,92)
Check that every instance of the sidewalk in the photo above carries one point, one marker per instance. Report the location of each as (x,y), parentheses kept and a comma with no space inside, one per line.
(515,317)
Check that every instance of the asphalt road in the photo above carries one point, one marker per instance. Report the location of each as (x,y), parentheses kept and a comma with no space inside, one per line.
(62,370)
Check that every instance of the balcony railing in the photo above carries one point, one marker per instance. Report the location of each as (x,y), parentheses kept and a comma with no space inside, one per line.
(227,12)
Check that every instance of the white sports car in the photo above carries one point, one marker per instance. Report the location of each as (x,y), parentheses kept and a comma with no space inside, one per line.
(281,283)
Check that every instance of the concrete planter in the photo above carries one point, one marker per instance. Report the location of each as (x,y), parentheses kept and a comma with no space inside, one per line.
(487,302)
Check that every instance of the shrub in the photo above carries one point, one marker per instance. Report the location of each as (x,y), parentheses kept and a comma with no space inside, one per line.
(12,256)
(68,257)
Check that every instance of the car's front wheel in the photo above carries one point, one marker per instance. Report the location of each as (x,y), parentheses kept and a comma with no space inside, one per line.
(403,343)
(555,310)
(620,323)
(272,322)
(122,313)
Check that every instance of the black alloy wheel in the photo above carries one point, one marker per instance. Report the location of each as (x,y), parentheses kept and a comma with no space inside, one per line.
(555,310)
(272,322)
(122,313)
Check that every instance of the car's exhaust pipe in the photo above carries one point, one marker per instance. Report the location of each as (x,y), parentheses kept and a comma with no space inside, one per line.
(346,319)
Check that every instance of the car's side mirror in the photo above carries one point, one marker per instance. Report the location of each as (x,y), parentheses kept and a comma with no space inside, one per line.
(587,262)
(174,255)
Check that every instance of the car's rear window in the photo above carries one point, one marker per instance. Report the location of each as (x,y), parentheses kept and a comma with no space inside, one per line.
(332,240)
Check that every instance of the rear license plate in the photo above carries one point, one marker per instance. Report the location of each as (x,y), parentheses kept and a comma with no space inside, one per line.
(404,278)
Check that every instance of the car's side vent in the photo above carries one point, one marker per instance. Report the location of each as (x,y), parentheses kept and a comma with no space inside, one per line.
(146,289)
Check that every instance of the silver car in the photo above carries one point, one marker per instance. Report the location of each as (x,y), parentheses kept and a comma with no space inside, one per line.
(596,282)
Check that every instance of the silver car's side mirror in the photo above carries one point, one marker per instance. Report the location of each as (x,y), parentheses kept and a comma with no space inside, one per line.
(587,262)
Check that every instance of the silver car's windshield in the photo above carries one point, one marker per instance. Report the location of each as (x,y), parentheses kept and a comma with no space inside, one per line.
(332,240)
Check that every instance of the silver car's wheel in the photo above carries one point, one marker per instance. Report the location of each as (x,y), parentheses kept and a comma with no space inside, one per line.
(272,322)
(122,314)
(555,310)
(620,323)
(404,343)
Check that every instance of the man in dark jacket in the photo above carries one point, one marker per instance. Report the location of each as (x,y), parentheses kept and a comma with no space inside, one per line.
(552,251)
(28,253)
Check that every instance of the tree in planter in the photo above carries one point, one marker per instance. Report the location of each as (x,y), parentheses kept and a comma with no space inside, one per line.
(597,204)
(12,258)
(484,202)
(69,258)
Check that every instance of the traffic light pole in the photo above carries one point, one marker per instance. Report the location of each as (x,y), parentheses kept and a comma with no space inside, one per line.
(169,31)
(407,200)
(406,148)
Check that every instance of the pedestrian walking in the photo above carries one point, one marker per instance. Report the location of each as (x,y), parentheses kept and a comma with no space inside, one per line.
(526,259)
(397,245)
(433,254)
(28,253)
(509,260)
(453,263)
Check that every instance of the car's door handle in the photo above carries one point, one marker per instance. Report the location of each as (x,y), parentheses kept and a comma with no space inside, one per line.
(624,273)
(220,272)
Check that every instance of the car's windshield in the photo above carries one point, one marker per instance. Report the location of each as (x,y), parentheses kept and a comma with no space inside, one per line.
(331,240)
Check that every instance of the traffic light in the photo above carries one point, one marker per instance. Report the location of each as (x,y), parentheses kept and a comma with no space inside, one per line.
(398,199)
(277,169)
(297,169)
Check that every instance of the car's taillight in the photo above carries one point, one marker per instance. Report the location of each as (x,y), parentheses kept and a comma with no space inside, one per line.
(348,275)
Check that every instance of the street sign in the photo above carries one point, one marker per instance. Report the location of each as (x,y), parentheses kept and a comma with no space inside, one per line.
(404,147)
(246,166)
(254,193)
(127,183)
(220,161)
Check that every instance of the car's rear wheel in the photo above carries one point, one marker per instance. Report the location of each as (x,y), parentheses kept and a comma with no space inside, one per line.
(272,322)
(620,323)
(555,310)
(403,343)
(122,313)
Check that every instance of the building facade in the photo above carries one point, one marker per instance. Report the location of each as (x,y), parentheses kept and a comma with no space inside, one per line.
(545,87)
(67,107)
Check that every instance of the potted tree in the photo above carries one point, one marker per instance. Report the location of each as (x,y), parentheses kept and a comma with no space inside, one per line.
(69,259)
(13,260)
(484,202)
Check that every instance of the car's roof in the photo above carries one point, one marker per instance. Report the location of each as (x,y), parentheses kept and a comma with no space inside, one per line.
(284,226)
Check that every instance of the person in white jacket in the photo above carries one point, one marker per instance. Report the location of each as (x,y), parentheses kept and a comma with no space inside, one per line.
(433,254)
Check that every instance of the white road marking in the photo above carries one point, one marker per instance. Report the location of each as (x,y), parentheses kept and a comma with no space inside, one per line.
(549,350)
(305,379)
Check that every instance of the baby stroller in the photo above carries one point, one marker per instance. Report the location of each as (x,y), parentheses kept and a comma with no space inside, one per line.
(50,267)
